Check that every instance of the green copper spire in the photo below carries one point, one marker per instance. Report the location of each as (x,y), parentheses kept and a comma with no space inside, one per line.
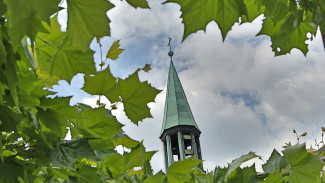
(177,110)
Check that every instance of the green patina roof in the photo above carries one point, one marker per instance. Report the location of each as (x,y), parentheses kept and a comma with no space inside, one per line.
(177,110)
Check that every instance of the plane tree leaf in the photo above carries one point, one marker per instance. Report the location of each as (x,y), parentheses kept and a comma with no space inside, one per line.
(88,174)
(24,17)
(158,177)
(102,83)
(276,9)
(67,152)
(86,20)
(275,162)
(70,60)
(304,166)
(180,171)
(135,97)
(47,43)
(197,14)
(122,139)
(245,175)
(237,162)
(114,51)
(275,178)
(95,124)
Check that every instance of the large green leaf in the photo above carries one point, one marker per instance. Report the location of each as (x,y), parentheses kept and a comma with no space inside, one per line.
(86,20)
(319,13)
(95,124)
(253,11)
(66,152)
(56,113)
(219,174)
(138,156)
(135,97)
(275,162)
(47,43)
(102,83)
(24,17)
(122,139)
(284,41)
(245,175)
(197,14)
(276,9)
(304,166)
(180,171)
(70,60)
(88,174)
(274,178)
(237,162)
(159,177)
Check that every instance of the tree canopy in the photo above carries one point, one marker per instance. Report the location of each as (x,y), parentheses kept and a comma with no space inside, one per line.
(35,54)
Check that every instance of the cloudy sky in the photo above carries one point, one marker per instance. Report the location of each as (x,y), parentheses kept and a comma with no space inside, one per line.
(242,97)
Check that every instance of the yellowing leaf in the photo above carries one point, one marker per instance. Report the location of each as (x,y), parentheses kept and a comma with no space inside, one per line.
(135,97)
(114,51)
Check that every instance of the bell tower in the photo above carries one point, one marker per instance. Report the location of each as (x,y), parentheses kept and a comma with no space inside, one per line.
(180,133)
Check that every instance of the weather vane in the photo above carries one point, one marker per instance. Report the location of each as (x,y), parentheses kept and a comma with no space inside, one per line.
(170,53)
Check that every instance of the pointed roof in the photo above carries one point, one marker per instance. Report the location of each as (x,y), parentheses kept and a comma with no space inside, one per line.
(177,110)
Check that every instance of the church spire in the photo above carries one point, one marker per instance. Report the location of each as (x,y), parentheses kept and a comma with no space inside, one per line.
(180,133)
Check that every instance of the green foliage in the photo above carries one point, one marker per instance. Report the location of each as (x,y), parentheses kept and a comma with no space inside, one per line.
(180,171)
(135,96)
(35,54)
(287,22)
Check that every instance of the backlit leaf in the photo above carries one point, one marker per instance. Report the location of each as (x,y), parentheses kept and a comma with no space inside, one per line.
(114,51)
(135,97)
(304,166)
(66,152)
(275,162)
(102,83)
(24,17)
(86,20)
(245,175)
(70,60)
(237,162)
(197,14)
(95,124)
(180,171)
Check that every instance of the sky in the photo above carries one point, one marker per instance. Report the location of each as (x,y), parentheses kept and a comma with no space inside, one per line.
(242,97)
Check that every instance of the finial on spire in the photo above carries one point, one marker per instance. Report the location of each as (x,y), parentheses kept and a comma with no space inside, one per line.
(170,53)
